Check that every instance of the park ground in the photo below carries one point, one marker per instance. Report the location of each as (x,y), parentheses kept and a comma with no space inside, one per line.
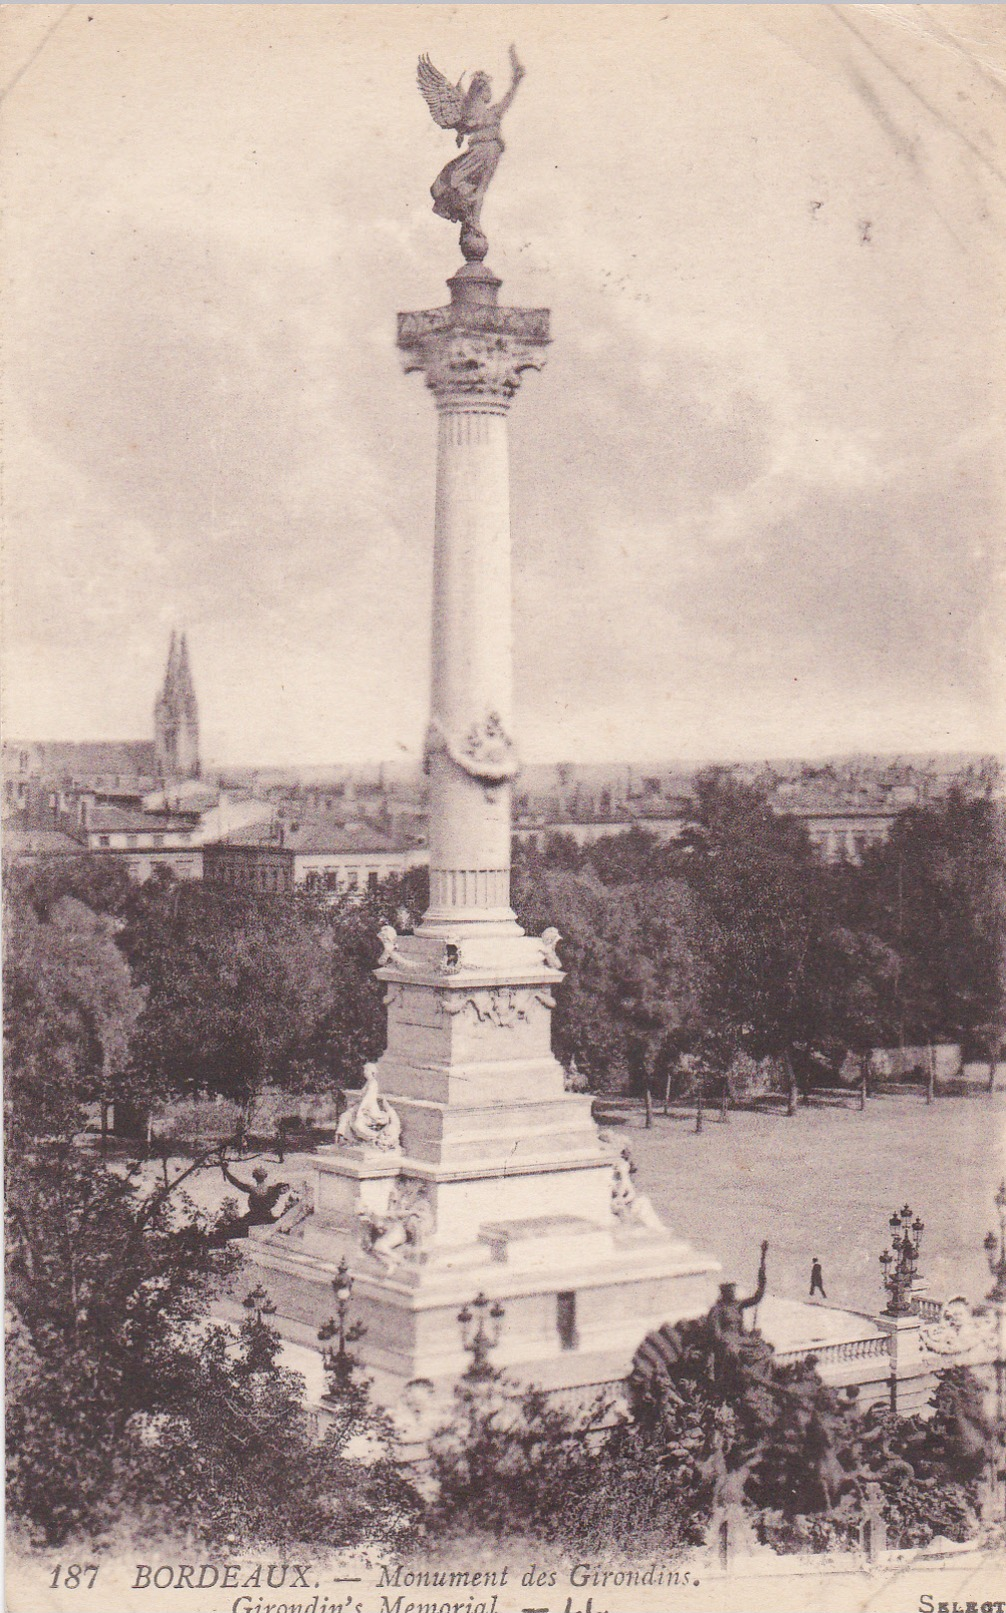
(822,1182)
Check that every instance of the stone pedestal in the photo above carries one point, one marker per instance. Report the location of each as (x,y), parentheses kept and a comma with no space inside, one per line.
(499,1181)
(910,1372)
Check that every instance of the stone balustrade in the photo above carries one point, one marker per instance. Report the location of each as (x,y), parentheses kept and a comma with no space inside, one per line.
(844,1350)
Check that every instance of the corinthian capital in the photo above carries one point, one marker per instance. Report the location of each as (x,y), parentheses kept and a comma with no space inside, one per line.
(473,351)
(466,365)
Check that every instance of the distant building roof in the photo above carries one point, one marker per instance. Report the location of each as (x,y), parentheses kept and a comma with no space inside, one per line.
(313,835)
(188,795)
(118,820)
(836,809)
(19,842)
(132,758)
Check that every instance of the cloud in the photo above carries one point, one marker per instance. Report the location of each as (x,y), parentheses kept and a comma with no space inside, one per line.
(755,491)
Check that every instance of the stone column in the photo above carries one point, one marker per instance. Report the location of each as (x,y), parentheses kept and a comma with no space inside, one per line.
(473,354)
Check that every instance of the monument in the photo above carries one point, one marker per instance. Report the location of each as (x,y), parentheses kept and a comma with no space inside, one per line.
(466,1169)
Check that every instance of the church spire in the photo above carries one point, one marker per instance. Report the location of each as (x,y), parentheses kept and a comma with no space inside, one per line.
(176,716)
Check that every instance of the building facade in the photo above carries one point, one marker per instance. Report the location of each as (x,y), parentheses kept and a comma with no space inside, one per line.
(330,858)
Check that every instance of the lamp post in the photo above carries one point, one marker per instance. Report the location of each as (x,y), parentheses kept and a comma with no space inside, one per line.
(481,1325)
(900,1263)
(339,1363)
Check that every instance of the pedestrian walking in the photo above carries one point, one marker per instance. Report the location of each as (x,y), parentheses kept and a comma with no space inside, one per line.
(817,1279)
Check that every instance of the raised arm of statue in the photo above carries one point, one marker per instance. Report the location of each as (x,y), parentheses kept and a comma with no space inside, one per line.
(759,1293)
(236,1181)
(516,74)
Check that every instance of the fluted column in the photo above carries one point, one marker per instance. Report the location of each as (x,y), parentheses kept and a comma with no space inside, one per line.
(472,354)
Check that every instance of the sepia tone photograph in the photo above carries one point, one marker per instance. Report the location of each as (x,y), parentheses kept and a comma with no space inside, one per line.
(503,720)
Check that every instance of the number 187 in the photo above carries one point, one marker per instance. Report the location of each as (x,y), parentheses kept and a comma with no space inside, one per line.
(73,1576)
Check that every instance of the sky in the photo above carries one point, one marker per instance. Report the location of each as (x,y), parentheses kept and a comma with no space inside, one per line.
(757,492)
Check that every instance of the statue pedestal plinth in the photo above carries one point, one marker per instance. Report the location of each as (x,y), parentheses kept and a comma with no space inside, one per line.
(502,1185)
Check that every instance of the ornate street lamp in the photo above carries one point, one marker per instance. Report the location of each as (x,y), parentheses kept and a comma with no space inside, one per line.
(339,1363)
(900,1263)
(481,1325)
(995,1249)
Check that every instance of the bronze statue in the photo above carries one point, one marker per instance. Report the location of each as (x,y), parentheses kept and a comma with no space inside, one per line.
(459,190)
(727,1315)
(262,1201)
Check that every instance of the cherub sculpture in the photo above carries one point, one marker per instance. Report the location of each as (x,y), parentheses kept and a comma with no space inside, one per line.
(459,190)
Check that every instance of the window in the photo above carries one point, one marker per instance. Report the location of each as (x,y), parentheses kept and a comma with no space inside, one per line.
(104,840)
(352,878)
(331,879)
(372,879)
(131,840)
(565,1320)
(312,879)
(157,840)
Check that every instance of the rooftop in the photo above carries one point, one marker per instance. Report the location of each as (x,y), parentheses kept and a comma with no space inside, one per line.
(312,835)
(21,841)
(119,820)
(129,757)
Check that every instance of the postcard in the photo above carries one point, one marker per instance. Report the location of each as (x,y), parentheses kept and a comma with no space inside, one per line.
(503,824)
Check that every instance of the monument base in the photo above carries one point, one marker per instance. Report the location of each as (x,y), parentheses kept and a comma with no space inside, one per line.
(466,1169)
(577,1297)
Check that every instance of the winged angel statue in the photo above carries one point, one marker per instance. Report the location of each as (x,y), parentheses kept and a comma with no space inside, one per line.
(459,190)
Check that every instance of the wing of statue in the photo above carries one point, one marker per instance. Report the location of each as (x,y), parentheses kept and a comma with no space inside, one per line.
(443,98)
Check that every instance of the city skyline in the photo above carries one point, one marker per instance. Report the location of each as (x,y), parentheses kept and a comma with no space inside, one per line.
(756,502)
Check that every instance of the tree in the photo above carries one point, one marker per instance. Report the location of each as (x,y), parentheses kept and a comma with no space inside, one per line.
(514,1462)
(232,1449)
(936,893)
(70,1010)
(786,968)
(633,974)
(931,1469)
(239,989)
(633,857)
(245,990)
(101,883)
(101,1277)
(126,1405)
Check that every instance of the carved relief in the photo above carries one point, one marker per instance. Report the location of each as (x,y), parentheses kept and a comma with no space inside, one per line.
(526,324)
(960,1331)
(498,1005)
(486,752)
(400,1232)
